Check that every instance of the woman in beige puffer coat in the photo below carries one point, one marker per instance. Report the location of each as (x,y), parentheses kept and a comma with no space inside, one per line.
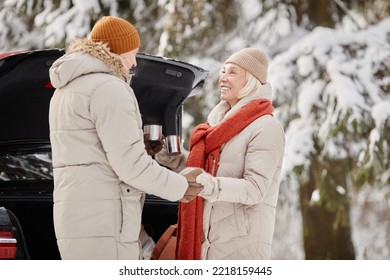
(101,169)
(241,197)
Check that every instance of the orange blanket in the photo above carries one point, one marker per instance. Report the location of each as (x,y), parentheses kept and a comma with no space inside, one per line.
(205,145)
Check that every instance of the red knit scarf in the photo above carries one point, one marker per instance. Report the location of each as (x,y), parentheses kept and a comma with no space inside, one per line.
(205,146)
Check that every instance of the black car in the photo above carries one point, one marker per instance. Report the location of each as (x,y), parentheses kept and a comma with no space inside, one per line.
(26,184)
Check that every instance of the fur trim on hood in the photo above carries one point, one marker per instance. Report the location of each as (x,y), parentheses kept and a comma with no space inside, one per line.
(101,51)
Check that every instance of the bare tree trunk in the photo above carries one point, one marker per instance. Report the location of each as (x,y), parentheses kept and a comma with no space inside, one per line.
(326,231)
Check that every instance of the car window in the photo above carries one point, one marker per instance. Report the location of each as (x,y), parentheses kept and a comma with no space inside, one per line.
(26,166)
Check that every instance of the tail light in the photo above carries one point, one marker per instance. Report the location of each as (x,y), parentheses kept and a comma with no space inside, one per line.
(48,85)
(8,244)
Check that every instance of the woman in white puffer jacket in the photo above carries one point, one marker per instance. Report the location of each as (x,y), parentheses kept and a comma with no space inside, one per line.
(242,147)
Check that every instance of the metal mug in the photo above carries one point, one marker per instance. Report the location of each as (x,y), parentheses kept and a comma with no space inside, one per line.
(173,144)
(154,131)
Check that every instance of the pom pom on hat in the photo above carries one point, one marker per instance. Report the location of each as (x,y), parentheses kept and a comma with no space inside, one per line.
(252,60)
(119,34)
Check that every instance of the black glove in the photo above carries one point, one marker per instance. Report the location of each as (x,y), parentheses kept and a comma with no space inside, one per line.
(153,147)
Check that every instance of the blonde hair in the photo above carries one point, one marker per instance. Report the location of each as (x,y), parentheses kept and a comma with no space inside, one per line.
(251,85)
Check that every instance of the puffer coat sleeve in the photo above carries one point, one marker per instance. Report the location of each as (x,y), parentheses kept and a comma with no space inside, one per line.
(121,136)
(261,159)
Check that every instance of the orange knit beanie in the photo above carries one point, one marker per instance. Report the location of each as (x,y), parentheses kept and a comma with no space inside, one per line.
(252,60)
(119,34)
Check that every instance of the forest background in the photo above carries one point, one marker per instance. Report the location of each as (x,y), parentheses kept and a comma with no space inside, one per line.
(330,73)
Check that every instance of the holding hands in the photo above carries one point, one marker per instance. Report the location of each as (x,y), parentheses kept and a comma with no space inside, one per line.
(194,188)
(199,183)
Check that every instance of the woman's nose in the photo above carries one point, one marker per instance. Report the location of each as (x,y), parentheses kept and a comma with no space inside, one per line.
(223,78)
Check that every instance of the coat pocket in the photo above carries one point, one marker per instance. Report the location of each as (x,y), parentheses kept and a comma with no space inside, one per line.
(132,202)
(241,220)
